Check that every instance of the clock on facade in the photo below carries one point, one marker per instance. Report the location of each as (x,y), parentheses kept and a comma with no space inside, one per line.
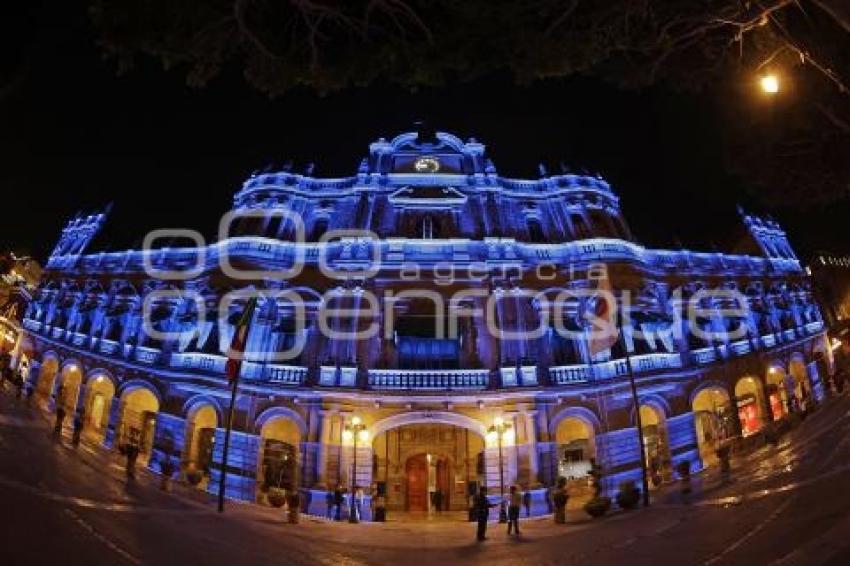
(427,165)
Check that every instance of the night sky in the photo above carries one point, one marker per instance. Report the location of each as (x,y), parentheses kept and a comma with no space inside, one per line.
(74,136)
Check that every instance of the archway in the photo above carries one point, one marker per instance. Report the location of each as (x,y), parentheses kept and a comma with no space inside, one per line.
(99,393)
(713,419)
(749,396)
(138,410)
(802,386)
(656,447)
(576,448)
(200,437)
(428,467)
(68,392)
(777,392)
(278,459)
(46,379)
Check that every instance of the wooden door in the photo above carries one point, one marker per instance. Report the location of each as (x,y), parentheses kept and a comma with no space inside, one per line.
(417,483)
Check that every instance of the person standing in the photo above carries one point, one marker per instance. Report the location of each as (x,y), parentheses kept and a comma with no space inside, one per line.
(329,504)
(338,500)
(526,502)
(78,429)
(60,419)
(481,506)
(514,503)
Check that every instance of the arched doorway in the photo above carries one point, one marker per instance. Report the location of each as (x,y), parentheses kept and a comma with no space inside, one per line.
(428,467)
(777,392)
(68,392)
(749,397)
(657,450)
(138,410)
(99,393)
(576,448)
(713,419)
(46,379)
(802,386)
(200,437)
(278,458)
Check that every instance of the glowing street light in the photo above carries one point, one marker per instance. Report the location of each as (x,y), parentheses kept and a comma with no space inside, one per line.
(769,84)
(355,431)
(501,429)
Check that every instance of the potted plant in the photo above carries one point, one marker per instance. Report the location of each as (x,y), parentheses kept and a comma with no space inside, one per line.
(194,476)
(559,500)
(598,506)
(276,497)
(628,495)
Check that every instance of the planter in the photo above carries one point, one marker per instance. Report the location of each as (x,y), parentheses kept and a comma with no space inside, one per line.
(194,478)
(628,495)
(598,506)
(276,498)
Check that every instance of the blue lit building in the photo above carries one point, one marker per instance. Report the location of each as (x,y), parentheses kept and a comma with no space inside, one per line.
(426,215)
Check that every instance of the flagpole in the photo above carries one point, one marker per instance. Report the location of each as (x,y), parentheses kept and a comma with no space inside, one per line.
(222,480)
(639,423)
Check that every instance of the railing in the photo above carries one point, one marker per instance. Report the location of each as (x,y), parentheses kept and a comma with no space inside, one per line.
(814,327)
(286,375)
(108,347)
(197,361)
(789,334)
(32,325)
(78,338)
(401,379)
(338,376)
(513,376)
(611,369)
(57,332)
(146,355)
(769,340)
(564,375)
(655,362)
(740,348)
(703,356)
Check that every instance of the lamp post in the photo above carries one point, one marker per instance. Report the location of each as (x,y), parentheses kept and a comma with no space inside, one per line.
(499,428)
(354,430)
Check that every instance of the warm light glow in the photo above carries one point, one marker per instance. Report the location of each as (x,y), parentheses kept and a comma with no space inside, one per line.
(508,437)
(492,437)
(355,421)
(363,436)
(347,435)
(499,422)
(770,84)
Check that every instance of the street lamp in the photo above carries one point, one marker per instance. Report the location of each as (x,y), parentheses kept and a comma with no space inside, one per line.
(769,84)
(499,429)
(353,431)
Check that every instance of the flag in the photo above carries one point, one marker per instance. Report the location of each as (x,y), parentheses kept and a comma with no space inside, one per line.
(240,338)
(602,316)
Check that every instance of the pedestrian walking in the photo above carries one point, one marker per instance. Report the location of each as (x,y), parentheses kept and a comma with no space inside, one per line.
(19,384)
(132,452)
(78,429)
(526,502)
(514,502)
(60,419)
(481,506)
(338,501)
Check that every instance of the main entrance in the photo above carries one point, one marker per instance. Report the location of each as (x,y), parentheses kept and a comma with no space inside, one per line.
(427,468)
(428,483)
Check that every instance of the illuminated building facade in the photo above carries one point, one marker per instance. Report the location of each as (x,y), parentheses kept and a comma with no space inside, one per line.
(431,230)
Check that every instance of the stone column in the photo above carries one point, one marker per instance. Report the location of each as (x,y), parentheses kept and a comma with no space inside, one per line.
(112,438)
(324,448)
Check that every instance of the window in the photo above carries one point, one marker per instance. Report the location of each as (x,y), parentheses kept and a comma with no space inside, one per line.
(535,231)
(428,228)
(320,227)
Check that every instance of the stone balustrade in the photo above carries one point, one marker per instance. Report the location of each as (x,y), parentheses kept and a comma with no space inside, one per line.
(401,379)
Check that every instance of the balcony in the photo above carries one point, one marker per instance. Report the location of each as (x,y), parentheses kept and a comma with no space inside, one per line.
(200,362)
(57,333)
(789,335)
(814,327)
(147,356)
(78,338)
(740,348)
(565,375)
(429,380)
(769,340)
(284,375)
(646,363)
(333,376)
(108,347)
(32,325)
(704,356)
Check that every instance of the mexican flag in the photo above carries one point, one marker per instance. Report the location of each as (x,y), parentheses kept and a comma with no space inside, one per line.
(240,338)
